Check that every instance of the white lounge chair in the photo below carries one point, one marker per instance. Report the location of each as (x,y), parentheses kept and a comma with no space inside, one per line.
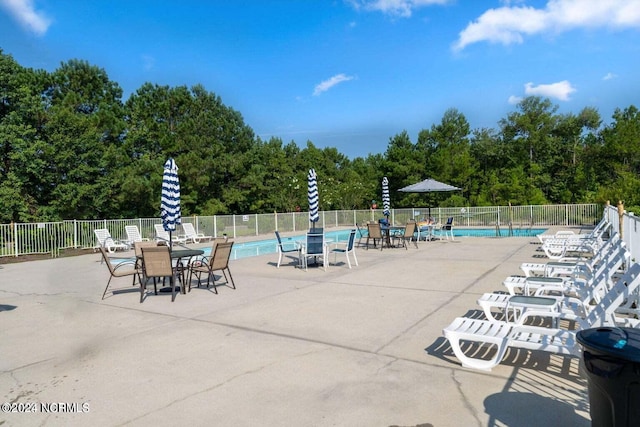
(504,335)
(162,236)
(556,249)
(104,240)
(598,230)
(566,266)
(529,285)
(190,233)
(577,245)
(577,300)
(133,235)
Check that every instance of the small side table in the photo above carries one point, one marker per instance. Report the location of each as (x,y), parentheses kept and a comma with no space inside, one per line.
(519,304)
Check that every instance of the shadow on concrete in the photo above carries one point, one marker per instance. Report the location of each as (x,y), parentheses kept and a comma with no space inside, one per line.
(528,409)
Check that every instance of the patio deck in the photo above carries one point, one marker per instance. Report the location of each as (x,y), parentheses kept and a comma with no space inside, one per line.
(359,347)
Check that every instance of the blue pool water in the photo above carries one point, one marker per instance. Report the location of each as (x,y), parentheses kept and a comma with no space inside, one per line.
(491,232)
(264,247)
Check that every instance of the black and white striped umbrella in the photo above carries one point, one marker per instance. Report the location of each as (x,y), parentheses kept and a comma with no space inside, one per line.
(170,200)
(386,200)
(312,195)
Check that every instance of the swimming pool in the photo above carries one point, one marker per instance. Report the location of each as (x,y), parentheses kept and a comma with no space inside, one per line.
(269,246)
(264,247)
(491,232)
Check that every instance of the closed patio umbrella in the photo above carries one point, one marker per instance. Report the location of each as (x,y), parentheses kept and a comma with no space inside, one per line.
(312,195)
(386,200)
(170,200)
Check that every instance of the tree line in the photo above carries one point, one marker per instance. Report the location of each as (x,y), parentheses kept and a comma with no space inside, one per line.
(73,149)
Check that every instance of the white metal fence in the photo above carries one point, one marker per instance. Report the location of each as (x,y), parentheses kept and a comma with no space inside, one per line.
(51,237)
(629,229)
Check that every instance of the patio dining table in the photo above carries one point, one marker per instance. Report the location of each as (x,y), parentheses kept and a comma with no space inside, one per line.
(426,230)
(390,230)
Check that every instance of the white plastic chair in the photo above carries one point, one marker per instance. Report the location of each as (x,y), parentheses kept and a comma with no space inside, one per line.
(103,236)
(190,233)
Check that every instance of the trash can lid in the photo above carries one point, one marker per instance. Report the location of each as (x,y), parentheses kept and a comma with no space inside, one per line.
(620,342)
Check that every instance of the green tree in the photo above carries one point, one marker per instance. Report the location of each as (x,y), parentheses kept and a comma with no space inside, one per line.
(529,135)
(21,148)
(84,118)
(450,159)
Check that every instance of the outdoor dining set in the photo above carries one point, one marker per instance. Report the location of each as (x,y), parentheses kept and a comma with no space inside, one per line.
(400,236)
(162,259)
(316,247)
(158,259)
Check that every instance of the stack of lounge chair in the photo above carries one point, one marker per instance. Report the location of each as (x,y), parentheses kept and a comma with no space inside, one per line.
(544,311)
(564,244)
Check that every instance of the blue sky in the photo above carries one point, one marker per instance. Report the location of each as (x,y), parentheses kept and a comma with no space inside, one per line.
(348,74)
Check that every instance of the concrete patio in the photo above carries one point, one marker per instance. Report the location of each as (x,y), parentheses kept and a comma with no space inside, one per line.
(359,347)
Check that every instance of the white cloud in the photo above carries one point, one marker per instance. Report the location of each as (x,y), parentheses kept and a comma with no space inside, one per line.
(560,90)
(331,82)
(401,8)
(514,100)
(610,76)
(24,12)
(509,24)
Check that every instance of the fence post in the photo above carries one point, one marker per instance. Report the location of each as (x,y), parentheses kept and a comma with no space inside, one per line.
(234,225)
(621,219)
(14,228)
(257,225)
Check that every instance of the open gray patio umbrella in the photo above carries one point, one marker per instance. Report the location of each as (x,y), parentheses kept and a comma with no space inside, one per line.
(312,195)
(170,200)
(386,199)
(428,186)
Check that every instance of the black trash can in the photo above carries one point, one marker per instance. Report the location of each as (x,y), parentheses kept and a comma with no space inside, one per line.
(612,360)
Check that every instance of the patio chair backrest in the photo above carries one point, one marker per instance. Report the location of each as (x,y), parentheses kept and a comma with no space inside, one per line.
(215,242)
(157,261)
(137,247)
(449,224)
(375,232)
(220,258)
(409,229)
(107,261)
(315,243)
(279,239)
(352,239)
